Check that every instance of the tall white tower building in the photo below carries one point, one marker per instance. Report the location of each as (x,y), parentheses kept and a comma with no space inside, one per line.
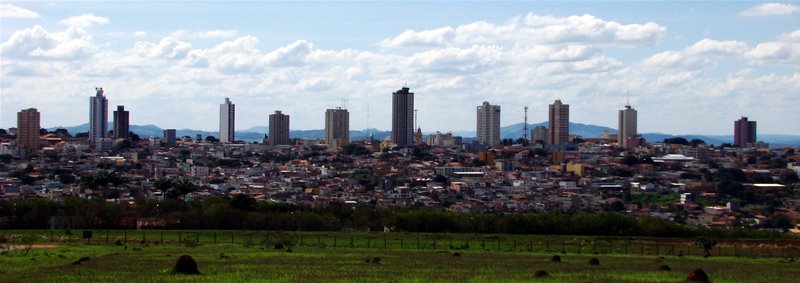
(488,126)
(98,116)
(227,120)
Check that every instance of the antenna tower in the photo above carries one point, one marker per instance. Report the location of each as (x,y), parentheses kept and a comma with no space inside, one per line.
(525,125)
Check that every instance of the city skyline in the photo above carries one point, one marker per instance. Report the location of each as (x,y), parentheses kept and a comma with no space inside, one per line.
(713,63)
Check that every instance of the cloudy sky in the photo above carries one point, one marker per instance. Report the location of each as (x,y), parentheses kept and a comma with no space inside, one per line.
(687,67)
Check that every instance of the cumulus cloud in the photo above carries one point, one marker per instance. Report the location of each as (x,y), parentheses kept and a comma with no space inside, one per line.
(534,29)
(770,9)
(84,21)
(698,55)
(168,47)
(11,11)
(206,34)
(785,50)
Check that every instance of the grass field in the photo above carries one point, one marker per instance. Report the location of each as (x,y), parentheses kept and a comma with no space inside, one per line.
(785,248)
(225,262)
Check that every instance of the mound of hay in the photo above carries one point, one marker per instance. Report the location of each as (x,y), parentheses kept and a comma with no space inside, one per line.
(540,274)
(186,265)
(697,275)
(664,268)
(278,246)
(594,261)
(555,258)
(456,254)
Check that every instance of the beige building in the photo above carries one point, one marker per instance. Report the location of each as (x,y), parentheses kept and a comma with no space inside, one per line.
(558,123)
(627,126)
(488,125)
(337,127)
(278,128)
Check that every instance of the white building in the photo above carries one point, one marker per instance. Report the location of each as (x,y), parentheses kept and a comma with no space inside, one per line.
(98,116)
(488,125)
(227,120)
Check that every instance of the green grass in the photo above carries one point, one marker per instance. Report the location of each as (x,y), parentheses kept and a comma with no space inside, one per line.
(417,241)
(237,263)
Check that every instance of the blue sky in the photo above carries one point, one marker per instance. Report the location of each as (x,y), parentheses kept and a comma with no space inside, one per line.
(688,67)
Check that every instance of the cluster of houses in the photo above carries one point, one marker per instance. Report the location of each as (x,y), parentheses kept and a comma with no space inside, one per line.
(675,182)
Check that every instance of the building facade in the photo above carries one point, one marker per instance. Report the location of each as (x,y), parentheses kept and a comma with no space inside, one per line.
(403,117)
(337,127)
(627,126)
(121,123)
(169,137)
(539,133)
(279,128)
(558,123)
(744,132)
(28,125)
(98,116)
(488,125)
(227,121)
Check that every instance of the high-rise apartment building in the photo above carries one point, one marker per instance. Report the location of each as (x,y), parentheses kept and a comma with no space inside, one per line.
(98,116)
(558,123)
(337,127)
(169,137)
(278,128)
(488,125)
(403,117)
(627,126)
(227,120)
(539,133)
(121,123)
(744,132)
(28,121)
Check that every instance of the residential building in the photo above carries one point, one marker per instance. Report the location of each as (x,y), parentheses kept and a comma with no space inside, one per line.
(402,117)
(539,133)
(488,125)
(278,128)
(227,122)
(169,137)
(627,126)
(337,127)
(558,123)
(121,123)
(744,132)
(28,125)
(98,116)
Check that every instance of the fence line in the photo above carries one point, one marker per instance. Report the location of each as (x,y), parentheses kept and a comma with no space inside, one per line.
(273,239)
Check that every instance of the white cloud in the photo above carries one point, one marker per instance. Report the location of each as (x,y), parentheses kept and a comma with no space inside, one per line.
(140,33)
(426,38)
(534,29)
(33,42)
(206,34)
(785,50)
(696,56)
(11,11)
(84,21)
(168,47)
(770,9)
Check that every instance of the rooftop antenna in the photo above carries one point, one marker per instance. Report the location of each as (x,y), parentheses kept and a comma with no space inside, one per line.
(525,126)
(627,99)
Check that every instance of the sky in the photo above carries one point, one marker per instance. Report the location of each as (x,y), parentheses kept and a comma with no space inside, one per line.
(687,67)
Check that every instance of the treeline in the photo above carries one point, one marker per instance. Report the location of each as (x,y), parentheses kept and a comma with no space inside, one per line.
(245,213)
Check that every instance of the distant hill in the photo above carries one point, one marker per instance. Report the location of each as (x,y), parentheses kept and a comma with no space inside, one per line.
(513,131)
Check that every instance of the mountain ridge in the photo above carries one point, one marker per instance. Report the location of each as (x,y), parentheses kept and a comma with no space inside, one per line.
(513,131)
